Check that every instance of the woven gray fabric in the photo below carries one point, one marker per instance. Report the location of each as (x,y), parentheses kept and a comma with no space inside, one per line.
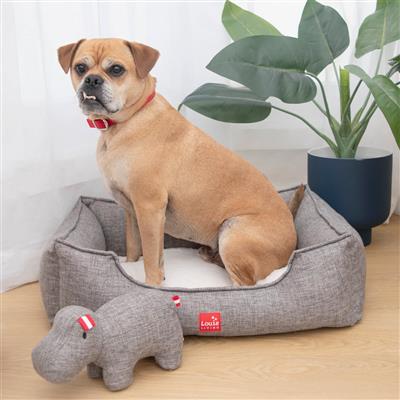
(123,333)
(111,218)
(82,228)
(323,286)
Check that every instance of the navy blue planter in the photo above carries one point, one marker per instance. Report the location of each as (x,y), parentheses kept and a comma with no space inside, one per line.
(359,189)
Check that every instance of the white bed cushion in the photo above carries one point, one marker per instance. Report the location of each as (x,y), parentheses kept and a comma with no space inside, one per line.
(185,268)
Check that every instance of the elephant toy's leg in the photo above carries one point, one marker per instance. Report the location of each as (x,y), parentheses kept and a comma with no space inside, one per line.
(170,359)
(118,379)
(94,371)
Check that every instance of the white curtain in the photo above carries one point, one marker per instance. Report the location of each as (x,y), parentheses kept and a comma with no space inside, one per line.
(48,153)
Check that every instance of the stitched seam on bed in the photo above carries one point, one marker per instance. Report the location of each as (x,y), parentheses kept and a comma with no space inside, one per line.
(308,191)
(210,289)
(114,202)
(321,214)
(354,305)
(98,221)
(65,236)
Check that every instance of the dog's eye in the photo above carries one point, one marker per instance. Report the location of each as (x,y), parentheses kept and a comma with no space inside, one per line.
(116,70)
(84,335)
(80,68)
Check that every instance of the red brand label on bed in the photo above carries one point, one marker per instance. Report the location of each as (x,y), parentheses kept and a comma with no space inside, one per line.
(210,322)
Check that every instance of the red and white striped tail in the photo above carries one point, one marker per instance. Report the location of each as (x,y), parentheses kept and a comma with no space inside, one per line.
(86,322)
(177,300)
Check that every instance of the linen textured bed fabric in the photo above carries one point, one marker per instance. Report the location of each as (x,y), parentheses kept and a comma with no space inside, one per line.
(322,287)
(83,229)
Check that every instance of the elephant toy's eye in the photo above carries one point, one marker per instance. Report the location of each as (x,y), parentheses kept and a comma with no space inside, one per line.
(84,335)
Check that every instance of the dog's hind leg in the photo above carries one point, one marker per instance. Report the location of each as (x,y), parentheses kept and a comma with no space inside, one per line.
(247,251)
(211,256)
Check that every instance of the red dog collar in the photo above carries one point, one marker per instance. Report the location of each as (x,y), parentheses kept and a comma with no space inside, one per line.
(105,123)
(100,123)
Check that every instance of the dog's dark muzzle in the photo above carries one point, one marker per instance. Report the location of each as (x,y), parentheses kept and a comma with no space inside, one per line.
(93,81)
(91,94)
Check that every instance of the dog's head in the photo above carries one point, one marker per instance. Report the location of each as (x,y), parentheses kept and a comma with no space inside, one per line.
(108,75)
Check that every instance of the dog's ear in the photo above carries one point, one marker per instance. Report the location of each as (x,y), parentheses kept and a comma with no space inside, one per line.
(144,56)
(66,54)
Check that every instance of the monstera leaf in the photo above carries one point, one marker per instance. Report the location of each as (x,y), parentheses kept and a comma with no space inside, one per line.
(386,95)
(380,28)
(240,23)
(227,104)
(325,32)
(269,66)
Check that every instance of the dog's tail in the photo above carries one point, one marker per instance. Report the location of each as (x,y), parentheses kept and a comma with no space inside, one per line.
(294,202)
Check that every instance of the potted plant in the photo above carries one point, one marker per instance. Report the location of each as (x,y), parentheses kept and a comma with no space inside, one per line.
(356,181)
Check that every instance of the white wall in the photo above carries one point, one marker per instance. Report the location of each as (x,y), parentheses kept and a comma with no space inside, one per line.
(48,153)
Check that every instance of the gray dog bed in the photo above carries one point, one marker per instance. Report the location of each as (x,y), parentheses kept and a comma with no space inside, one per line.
(322,285)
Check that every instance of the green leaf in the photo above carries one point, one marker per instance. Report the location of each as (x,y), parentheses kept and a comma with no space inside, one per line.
(227,104)
(325,33)
(240,23)
(380,28)
(380,4)
(386,95)
(344,93)
(269,66)
(394,64)
(345,110)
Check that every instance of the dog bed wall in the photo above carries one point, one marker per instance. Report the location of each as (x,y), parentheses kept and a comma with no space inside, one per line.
(322,287)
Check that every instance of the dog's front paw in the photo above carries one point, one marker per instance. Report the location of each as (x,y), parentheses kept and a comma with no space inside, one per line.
(152,282)
(155,280)
(132,258)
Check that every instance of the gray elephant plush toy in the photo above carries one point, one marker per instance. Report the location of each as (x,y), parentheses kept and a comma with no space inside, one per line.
(112,340)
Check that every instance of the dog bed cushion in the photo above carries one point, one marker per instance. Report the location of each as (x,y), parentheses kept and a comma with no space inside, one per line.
(184,268)
(322,285)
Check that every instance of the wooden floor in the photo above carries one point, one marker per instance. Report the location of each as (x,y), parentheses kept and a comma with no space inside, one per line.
(359,362)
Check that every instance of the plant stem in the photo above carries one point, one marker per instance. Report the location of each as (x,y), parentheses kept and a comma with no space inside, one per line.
(336,74)
(365,103)
(337,137)
(356,138)
(352,97)
(320,108)
(392,71)
(361,110)
(376,72)
(370,112)
(379,61)
(331,144)
(360,129)
(328,114)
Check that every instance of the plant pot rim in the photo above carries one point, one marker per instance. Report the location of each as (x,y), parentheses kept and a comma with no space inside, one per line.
(363,153)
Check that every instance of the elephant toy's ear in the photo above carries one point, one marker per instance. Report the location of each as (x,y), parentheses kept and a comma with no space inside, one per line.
(86,322)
